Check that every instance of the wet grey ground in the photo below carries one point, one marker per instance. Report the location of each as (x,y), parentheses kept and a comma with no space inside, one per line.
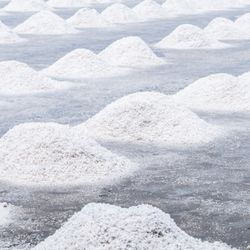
(205,189)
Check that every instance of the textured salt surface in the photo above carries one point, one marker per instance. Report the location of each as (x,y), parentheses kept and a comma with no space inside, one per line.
(103,226)
(18,78)
(149,117)
(53,154)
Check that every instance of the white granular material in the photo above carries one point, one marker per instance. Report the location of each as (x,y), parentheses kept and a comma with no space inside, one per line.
(177,7)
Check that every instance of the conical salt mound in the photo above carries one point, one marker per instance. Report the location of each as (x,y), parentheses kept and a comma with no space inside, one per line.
(7,36)
(45,23)
(81,63)
(130,52)
(243,22)
(103,227)
(26,6)
(18,78)
(149,117)
(87,18)
(53,154)
(188,36)
(221,28)
(119,13)
(176,7)
(149,9)
(219,92)
(70,3)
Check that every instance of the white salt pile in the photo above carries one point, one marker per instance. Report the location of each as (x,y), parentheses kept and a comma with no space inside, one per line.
(87,18)
(188,36)
(222,28)
(18,78)
(26,6)
(45,23)
(119,13)
(177,7)
(53,154)
(149,9)
(82,63)
(243,22)
(130,51)
(219,92)
(8,36)
(103,227)
(149,117)
(5,213)
(70,3)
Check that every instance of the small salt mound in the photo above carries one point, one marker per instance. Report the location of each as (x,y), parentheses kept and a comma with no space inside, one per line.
(177,7)
(8,36)
(53,154)
(26,5)
(18,78)
(130,51)
(103,227)
(222,28)
(70,3)
(219,92)
(81,63)
(45,23)
(149,9)
(243,22)
(5,213)
(188,36)
(85,18)
(149,117)
(119,13)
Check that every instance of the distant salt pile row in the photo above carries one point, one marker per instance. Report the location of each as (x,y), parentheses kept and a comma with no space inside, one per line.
(18,78)
(219,92)
(149,117)
(53,154)
(103,226)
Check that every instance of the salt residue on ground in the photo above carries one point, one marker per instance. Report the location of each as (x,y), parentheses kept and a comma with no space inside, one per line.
(87,18)
(7,36)
(188,36)
(26,6)
(18,78)
(45,23)
(5,213)
(149,9)
(119,13)
(104,226)
(53,154)
(219,92)
(82,63)
(149,117)
(130,51)
(222,28)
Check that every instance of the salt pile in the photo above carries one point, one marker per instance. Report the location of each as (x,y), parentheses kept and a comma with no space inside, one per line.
(18,78)
(219,92)
(45,23)
(103,227)
(188,36)
(149,9)
(119,13)
(26,6)
(81,63)
(53,154)
(130,51)
(243,22)
(85,18)
(149,117)
(8,36)
(177,7)
(5,213)
(222,28)
(70,3)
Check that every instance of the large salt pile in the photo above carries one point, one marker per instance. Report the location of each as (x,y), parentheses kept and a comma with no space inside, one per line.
(149,9)
(130,51)
(219,92)
(19,78)
(119,13)
(45,23)
(70,3)
(177,7)
(149,117)
(53,154)
(104,226)
(243,22)
(188,36)
(82,63)
(26,5)
(87,18)
(8,36)
(223,28)
(5,213)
